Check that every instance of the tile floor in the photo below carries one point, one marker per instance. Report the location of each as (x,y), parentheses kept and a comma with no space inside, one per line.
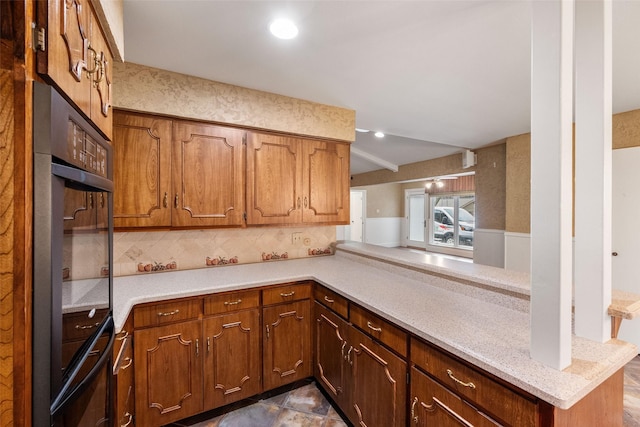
(303,405)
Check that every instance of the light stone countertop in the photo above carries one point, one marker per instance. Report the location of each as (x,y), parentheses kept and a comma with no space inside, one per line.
(481,316)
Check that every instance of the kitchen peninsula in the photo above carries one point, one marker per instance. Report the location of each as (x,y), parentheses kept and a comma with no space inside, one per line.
(477,314)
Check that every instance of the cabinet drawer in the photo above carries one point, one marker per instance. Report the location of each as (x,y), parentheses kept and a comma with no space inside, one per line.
(286,293)
(379,329)
(332,300)
(434,405)
(231,301)
(168,312)
(79,325)
(472,385)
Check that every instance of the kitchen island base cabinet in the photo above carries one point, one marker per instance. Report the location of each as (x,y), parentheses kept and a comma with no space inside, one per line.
(379,383)
(286,343)
(232,362)
(168,373)
(332,369)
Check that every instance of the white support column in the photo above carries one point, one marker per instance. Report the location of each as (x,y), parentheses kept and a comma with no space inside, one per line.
(593,169)
(551,174)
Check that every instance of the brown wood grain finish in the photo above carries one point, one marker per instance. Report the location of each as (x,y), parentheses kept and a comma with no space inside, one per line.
(124,383)
(379,383)
(208,175)
(325,182)
(16,74)
(474,386)
(168,312)
(286,343)
(379,329)
(231,301)
(168,373)
(142,170)
(274,179)
(434,405)
(334,301)
(232,361)
(286,293)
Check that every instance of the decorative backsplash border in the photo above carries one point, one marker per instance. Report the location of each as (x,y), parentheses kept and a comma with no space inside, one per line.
(145,252)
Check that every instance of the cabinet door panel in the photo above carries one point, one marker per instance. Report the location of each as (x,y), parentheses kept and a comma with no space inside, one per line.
(66,58)
(379,384)
(434,405)
(326,182)
(273,180)
(286,343)
(233,361)
(168,376)
(331,367)
(208,175)
(101,78)
(142,170)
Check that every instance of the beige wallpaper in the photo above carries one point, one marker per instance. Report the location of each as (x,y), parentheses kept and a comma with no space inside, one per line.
(491,187)
(626,129)
(442,166)
(518,183)
(384,201)
(110,13)
(152,90)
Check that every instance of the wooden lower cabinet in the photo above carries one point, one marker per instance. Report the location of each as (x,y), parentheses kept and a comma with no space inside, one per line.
(123,377)
(379,383)
(434,405)
(332,369)
(232,361)
(286,343)
(168,373)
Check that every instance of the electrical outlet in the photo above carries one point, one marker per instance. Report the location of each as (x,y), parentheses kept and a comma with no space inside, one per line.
(306,241)
(296,238)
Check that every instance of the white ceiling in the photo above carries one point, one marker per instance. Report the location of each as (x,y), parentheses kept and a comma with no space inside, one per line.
(435,76)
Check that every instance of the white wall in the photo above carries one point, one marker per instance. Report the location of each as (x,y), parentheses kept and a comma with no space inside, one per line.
(384,231)
(488,247)
(517,251)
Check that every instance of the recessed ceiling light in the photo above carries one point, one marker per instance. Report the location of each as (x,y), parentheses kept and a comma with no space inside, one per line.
(283,29)
(379,134)
(362,130)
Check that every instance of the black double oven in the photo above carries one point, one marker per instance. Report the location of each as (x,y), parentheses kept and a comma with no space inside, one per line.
(73,329)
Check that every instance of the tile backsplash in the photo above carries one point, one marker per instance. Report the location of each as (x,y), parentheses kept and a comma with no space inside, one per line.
(148,251)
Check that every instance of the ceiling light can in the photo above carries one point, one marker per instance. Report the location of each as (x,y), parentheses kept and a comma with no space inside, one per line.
(283,29)
(379,134)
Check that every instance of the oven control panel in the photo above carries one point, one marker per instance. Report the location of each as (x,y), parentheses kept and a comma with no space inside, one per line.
(85,152)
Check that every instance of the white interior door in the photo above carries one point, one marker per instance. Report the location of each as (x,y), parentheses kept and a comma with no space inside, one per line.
(624,241)
(415,218)
(357,205)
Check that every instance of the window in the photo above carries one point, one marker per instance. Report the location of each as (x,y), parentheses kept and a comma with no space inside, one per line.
(453,220)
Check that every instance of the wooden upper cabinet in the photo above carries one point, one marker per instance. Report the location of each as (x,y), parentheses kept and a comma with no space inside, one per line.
(142,170)
(295,181)
(208,175)
(274,180)
(73,55)
(326,182)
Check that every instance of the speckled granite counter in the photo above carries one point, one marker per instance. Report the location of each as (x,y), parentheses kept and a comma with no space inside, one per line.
(478,313)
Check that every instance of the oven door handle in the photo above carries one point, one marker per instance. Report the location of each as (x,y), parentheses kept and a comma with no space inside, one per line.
(82,177)
(68,393)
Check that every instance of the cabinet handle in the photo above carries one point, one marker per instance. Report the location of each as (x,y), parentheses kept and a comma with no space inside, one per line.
(175,201)
(90,200)
(349,356)
(289,294)
(305,201)
(93,53)
(238,301)
(469,384)
(121,335)
(413,410)
(129,362)
(208,345)
(267,331)
(298,202)
(169,313)
(373,328)
(342,349)
(83,327)
(165,201)
(128,423)
(197,347)
(330,301)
